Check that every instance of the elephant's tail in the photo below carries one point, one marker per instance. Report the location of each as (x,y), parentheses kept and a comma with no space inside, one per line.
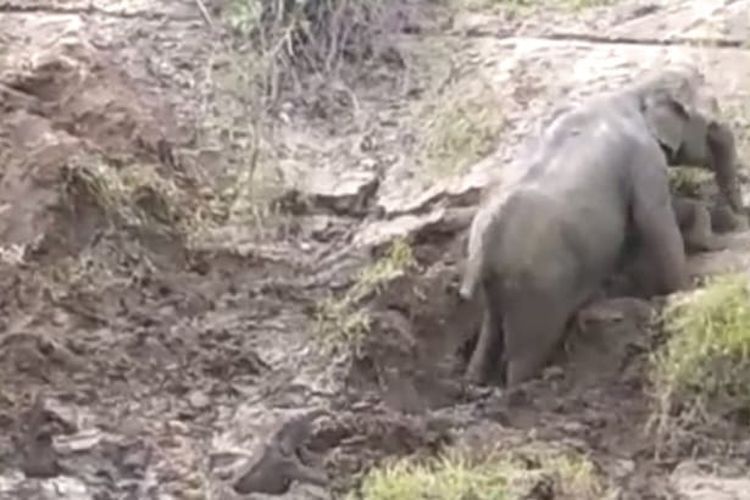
(483,230)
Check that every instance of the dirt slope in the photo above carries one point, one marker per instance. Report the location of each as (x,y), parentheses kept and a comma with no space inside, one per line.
(169,348)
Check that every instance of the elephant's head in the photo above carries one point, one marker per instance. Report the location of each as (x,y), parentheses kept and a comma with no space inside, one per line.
(683,116)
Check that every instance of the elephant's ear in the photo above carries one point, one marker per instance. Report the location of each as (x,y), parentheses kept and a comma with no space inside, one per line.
(666,118)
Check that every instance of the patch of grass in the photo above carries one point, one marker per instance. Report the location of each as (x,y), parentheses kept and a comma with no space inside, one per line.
(705,363)
(687,181)
(135,195)
(343,321)
(460,125)
(507,476)
(243,15)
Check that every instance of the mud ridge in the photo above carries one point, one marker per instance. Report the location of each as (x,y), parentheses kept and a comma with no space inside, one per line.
(90,10)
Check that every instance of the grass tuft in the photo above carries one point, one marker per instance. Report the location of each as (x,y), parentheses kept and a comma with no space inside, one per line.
(509,476)
(706,360)
(687,181)
(343,321)
(133,196)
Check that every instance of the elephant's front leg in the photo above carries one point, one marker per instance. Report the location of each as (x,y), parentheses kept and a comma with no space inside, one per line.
(694,220)
(489,347)
(724,163)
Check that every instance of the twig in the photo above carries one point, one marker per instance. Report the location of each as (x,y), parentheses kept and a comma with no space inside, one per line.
(205,14)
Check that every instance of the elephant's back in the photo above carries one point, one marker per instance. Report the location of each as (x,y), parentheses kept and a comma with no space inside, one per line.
(551,240)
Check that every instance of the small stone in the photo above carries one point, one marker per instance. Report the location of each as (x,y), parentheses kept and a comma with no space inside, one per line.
(60,318)
(553,372)
(199,400)
(574,428)
(81,441)
(623,468)
(178,427)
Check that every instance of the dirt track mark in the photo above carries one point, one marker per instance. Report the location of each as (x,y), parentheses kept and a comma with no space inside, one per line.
(92,10)
(714,43)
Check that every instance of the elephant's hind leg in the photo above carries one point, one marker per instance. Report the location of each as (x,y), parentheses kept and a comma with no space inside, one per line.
(533,328)
(489,347)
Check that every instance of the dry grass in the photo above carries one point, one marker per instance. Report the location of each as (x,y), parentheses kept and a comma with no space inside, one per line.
(343,322)
(458,121)
(235,133)
(461,126)
(282,53)
(703,370)
(134,196)
(509,475)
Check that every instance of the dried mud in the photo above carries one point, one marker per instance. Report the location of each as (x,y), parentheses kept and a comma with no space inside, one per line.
(136,362)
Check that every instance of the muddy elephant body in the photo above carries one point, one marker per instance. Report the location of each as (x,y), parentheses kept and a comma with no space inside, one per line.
(543,244)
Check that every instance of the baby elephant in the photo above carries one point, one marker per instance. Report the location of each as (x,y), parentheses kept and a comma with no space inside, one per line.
(541,246)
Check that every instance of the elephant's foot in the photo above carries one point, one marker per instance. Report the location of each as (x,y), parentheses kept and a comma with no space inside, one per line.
(476,371)
(712,243)
(523,369)
(724,220)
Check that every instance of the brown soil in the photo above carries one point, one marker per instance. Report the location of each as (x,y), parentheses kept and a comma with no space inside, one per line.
(144,354)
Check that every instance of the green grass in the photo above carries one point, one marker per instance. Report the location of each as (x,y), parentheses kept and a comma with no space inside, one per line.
(687,181)
(344,321)
(507,476)
(243,15)
(705,363)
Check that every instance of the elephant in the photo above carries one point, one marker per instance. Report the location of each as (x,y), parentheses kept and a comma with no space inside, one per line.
(541,245)
(695,219)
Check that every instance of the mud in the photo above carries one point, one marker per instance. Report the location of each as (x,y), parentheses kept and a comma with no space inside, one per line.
(146,355)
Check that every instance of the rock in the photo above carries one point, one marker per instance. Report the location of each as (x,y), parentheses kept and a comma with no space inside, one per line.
(463,190)
(66,487)
(348,192)
(381,232)
(199,400)
(438,221)
(82,441)
(60,488)
(622,468)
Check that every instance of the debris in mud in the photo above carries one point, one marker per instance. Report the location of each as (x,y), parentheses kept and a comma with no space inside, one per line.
(38,456)
(283,459)
(695,481)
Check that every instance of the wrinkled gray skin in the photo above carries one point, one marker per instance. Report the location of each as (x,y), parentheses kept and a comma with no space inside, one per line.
(541,246)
